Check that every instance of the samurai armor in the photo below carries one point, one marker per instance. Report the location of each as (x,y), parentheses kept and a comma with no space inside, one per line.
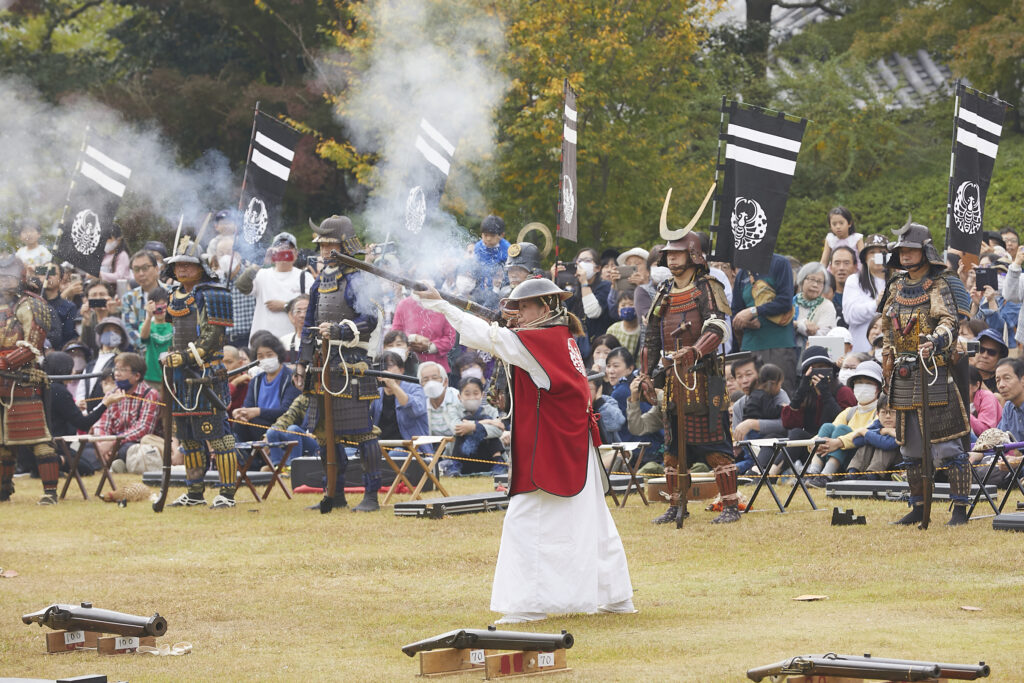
(24,422)
(331,303)
(22,418)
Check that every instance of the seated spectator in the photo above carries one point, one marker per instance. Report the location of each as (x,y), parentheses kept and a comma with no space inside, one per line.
(982,457)
(64,418)
(986,410)
(428,333)
(400,411)
(293,426)
(834,455)
(469,364)
(238,386)
(296,310)
(745,374)
(1009,372)
(113,339)
(815,314)
(444,410)
(761,406)
(627,329)
(612,419)
(849,364)
(269,393)
(397,342)
(477,434)
(155,334)
(132,412)
(81,357)
(878,450)
(601,347)
(992,350)
(620,373)
(819,398)
(763,401)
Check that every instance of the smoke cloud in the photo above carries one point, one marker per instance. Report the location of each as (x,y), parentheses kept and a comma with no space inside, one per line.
(433,60)
(42,143)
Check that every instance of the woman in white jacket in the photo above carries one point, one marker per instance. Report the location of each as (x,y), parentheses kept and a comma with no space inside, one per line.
(860,298)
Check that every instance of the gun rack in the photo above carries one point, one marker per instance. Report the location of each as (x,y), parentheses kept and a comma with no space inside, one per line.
(492,663)
(74,641)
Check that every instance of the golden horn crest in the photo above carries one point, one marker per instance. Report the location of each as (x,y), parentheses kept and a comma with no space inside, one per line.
(669,235)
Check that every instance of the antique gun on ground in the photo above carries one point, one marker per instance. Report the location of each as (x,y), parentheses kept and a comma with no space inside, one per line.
(493,640)
(88,618)
(457,301)
(873,668)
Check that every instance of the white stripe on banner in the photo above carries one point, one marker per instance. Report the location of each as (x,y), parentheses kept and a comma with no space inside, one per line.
(968,138)
(766,161)
(763,138)
(102,179)
(432,155)
(119,169)
(570,113)
(436,136)
(269,165)
(981,122)
(274,146)
(569,134)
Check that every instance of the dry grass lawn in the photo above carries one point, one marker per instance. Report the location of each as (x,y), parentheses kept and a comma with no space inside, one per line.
(273,592)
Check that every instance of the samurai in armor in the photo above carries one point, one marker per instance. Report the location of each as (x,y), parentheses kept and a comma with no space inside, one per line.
(685,327)
(919,320)
(25,320)
(200,311)
(336,336)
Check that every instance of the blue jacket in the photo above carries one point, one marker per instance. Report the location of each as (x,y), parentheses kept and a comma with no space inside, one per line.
(412,417)
(874,438)
(286,391)
(621,393)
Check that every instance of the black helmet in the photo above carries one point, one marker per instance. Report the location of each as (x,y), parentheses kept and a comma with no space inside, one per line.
(524,255)
(914,236)
(337,229)
(187,251)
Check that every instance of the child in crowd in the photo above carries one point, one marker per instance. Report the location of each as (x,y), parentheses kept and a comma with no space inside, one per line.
(877,450)
(31,253)
(761,404)
(156,333)
(477,435)
(627,329)
(841,234)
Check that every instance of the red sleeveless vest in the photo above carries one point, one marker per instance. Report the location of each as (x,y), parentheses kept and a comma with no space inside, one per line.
(549,427)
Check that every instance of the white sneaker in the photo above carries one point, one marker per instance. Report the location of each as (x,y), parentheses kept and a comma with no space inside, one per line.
(620,607)
(222,502)
(184,501)
(521,617)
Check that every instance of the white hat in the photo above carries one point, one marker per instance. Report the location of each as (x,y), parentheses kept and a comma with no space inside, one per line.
(869,369)
(635,251)
(842,333)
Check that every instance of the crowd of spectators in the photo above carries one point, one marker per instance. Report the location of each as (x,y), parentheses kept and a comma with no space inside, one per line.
(811,332)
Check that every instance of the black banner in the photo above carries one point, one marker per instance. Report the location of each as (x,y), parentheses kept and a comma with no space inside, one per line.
(568,199)
(978,125)
(760,159)
(98,184)
(427,182)
(267,169)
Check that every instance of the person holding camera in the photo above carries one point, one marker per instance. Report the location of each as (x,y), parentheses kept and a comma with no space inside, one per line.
(818,399)
(274,287)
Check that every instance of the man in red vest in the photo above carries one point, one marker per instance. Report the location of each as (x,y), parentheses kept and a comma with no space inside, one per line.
(560,551)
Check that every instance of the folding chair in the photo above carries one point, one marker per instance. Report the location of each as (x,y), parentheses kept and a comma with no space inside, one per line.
(623,450)
(261,449)
(105,475)
(780,454)
(1000,456)
(412,446)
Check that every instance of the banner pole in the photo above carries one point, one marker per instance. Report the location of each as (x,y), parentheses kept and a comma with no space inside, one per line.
(718,191)
(241,197)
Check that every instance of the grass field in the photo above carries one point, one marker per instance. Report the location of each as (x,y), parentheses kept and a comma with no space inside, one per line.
(274,592)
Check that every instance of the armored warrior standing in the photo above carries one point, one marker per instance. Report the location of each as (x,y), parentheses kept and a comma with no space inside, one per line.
(919,321)
(336,336)
(686,325)
(200,311)
(25,320)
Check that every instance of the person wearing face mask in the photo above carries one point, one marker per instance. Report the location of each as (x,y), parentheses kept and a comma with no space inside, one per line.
(849,366)
(469,285)
(627,329)
(860,298)
(116,264)
(470,364)
(132,411)
(477,434)
(270,392)
(81,356)
(845,434)
(400,409)
(113,339)
(443,407)
(815,314)
(398,343)
(592,291)
(98,305)
(274,287)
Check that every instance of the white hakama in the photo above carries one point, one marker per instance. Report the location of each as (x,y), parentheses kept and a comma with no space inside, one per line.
(558,555)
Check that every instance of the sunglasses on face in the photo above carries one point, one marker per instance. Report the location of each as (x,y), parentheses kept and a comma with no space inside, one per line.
(987,351)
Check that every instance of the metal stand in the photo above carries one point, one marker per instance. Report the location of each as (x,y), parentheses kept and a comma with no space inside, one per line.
(1000,456)
(780,454)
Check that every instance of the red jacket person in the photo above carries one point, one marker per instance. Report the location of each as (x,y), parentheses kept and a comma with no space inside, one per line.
(560,551)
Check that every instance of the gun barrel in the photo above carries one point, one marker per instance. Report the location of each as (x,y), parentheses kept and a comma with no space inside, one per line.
(960,672)
(70,617)
(495,640)
(809,665)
